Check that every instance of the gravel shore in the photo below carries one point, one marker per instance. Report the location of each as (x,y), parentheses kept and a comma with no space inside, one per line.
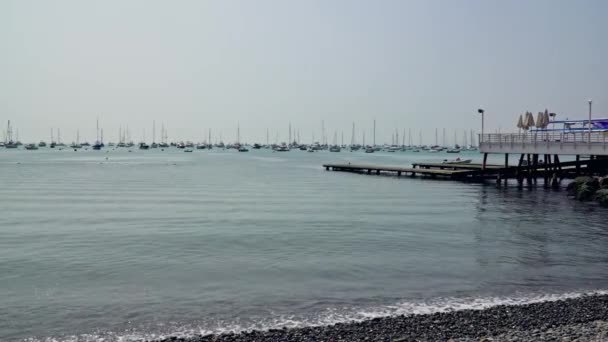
(579,319)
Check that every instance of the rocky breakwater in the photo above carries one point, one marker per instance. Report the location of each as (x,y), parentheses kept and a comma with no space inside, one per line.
(590,189)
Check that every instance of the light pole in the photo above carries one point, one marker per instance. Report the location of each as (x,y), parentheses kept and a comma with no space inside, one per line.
(589,123)
(481,111)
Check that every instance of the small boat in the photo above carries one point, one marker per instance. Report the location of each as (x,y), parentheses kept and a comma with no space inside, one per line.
(457,161)
(201,146)
(453,150)
(143,146)
(257,146)
(335,148)
(42,144)
(243,149)
(282,148)
(31,147)
(369,149)
(310,149)
(188,150)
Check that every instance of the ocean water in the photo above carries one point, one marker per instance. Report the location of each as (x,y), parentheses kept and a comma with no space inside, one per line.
(117,246)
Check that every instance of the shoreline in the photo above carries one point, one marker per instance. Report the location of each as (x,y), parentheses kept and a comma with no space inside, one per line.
(584,318)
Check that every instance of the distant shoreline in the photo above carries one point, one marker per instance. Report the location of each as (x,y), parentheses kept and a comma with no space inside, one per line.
(584,318)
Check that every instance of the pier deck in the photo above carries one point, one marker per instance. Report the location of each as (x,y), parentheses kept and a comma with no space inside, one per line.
(463,166)
(470,171)
(412,171)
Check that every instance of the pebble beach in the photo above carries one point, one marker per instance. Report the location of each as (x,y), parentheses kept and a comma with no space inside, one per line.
(578,319)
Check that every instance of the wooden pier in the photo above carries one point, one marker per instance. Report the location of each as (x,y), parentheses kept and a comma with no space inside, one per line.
(552,171)
(416,170)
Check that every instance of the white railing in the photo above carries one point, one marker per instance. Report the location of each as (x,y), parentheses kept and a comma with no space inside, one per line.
(548,138)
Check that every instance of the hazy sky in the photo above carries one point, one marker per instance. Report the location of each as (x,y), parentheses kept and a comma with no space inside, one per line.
(198,64)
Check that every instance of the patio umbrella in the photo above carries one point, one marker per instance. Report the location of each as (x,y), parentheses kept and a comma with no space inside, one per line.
(520,122)
(530,121)
(540,120)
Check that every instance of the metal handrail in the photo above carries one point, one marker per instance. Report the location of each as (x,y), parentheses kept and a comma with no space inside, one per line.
(534,138)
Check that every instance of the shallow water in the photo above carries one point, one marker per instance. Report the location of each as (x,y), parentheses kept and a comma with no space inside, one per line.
(155,243)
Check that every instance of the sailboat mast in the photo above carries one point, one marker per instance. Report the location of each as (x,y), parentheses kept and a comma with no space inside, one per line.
(153,131)
(409,137)
(374,133)
(396,136)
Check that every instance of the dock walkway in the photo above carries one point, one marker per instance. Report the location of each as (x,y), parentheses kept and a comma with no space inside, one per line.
(471,171)
(412,171)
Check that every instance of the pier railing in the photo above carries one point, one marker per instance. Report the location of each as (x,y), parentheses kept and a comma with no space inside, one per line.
(545,142)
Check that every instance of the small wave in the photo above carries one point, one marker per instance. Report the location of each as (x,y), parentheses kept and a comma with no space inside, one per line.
(328,316)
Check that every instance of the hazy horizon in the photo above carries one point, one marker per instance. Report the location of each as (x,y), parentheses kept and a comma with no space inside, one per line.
(199,65)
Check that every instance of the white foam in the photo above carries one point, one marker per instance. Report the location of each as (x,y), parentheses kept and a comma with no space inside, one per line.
(328,316)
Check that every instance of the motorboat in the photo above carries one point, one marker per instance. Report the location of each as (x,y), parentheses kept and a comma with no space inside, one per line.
(457,161)
(31,147)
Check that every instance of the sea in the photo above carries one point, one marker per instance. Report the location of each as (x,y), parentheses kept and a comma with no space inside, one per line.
(114,245)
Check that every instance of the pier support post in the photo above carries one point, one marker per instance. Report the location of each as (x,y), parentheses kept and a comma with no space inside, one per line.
(555,181)
(578,165)
(485,160)
(398,173)
(529,169)
(535,169)
(506,175)
(377,172)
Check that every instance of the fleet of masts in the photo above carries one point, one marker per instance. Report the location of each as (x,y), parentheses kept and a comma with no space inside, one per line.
(399,141)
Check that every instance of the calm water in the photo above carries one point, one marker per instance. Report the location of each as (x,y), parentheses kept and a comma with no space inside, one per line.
(151,243)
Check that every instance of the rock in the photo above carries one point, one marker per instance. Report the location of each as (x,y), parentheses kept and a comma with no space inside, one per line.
(585,193)
(601,196)
(604,182)
(583,188)
(576,184)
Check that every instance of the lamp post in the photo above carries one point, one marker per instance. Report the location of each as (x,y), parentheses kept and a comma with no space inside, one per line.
(481,111)
(589,123)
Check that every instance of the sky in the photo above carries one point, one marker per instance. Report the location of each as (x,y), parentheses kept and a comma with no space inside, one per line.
(195,65)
